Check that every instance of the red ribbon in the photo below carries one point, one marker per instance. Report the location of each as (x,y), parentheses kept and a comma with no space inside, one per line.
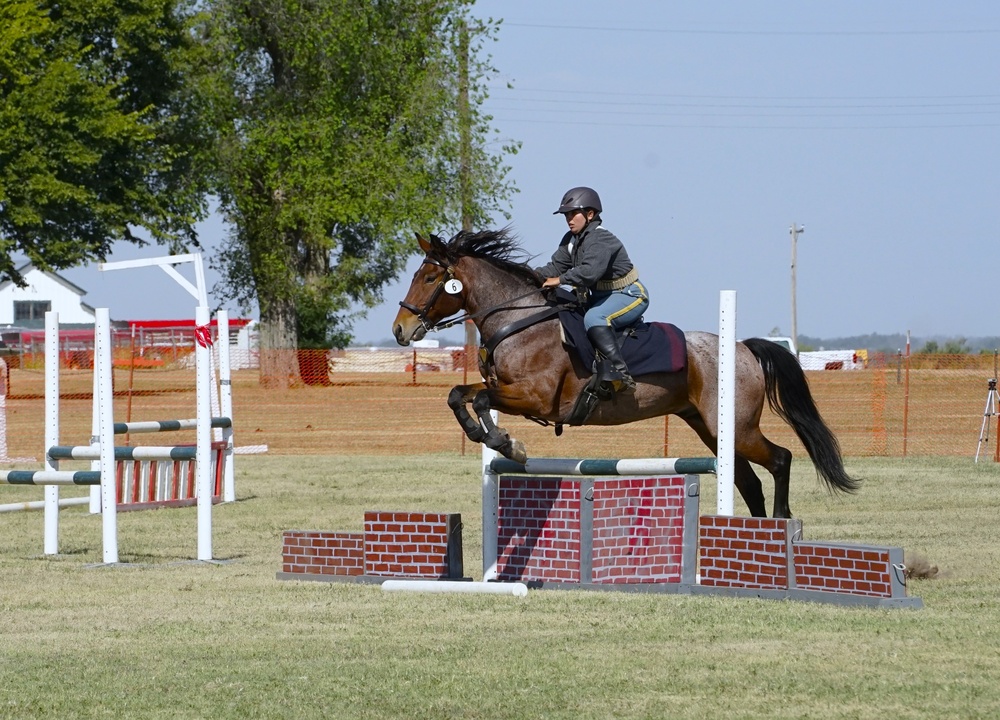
(203,335)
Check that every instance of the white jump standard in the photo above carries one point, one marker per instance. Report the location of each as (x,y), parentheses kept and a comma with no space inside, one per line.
(199,458)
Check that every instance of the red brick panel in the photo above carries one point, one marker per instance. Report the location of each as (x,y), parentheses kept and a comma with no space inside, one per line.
(743,552)
(317,552)
(409,544)
(638,530)
(539,529)
(854,569)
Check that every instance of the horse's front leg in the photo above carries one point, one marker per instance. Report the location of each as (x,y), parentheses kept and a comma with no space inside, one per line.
(496,437)
(458,398)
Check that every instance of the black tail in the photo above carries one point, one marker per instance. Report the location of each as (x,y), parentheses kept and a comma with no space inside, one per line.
(788,395)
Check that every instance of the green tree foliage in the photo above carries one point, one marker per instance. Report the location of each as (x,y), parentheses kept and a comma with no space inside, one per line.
(951,347)
(340,137)
(99,129)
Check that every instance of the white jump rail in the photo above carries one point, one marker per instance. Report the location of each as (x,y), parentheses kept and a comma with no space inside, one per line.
(456,586)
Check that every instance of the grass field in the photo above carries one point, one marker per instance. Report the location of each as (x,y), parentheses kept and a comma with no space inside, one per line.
(163,637)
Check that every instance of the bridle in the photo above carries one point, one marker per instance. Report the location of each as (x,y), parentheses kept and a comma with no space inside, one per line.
(449,274)
(421,313)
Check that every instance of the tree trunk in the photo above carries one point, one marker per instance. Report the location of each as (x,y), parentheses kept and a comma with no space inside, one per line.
(279,366)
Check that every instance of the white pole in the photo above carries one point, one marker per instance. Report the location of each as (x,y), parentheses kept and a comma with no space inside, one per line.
(795,231)
(106,435)
(226,395)
(491,513)
(166,264)
(51,520)
(456,586)
(203,465)
(726,448)
(95,432)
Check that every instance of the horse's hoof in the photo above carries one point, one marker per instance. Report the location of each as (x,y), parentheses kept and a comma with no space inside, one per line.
(518,452)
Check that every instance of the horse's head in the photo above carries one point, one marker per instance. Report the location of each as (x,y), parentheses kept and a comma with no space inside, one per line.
(435,293)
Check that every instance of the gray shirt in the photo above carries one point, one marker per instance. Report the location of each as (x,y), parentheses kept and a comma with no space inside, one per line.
(596,254)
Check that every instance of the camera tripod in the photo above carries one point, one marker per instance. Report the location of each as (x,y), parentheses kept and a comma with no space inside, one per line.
(990,410)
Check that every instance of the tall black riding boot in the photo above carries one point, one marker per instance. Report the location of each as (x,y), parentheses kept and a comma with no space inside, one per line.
(611,369)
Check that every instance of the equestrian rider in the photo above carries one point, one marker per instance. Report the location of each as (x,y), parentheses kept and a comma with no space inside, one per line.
(595,262)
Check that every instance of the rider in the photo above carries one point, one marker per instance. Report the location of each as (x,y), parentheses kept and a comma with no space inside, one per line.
(593,260)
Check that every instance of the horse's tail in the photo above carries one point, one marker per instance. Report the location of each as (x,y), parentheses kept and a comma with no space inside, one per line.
(788,395)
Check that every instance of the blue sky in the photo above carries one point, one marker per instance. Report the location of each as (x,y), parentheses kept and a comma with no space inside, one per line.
(709,128)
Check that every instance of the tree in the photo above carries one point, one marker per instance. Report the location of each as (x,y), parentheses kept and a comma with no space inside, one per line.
(951,347)
(340,137)
(99,129)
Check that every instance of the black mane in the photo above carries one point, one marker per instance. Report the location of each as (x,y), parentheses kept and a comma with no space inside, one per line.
(498,247)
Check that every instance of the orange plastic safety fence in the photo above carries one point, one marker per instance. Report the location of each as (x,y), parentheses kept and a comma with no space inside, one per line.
(393,401)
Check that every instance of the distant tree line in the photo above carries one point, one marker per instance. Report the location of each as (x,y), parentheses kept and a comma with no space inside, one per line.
(893,343)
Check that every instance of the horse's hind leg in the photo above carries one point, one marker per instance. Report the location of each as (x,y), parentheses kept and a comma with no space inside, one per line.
(752,446)
(744,477)
(750,487)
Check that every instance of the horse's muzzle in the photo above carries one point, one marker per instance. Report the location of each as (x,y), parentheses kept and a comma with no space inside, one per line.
(407,328)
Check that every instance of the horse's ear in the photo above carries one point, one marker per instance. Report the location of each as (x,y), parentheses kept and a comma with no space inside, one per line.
(424,243)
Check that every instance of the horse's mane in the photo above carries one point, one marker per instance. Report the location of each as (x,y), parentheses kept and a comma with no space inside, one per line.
(500,248)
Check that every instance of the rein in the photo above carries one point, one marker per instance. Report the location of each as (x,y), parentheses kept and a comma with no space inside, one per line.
(445,324)
(490,345)
(421,313)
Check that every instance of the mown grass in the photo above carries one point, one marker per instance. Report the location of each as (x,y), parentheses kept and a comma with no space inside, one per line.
(165,637)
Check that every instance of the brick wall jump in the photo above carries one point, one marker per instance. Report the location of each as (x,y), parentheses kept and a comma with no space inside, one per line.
(394,544)
(591,530)
(768,553)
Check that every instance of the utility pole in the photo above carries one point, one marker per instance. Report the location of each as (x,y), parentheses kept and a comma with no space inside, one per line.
(794,232)
(465,153)
(465,176)
(464,128)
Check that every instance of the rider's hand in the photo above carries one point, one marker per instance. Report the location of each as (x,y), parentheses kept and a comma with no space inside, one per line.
(551,283)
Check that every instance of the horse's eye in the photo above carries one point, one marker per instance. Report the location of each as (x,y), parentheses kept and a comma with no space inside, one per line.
(429,279)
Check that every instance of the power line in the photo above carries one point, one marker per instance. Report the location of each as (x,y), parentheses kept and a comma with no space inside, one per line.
(690,96)
(754,33)
(720,126)
(922,108)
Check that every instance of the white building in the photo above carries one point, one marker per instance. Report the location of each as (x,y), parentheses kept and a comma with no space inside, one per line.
(45,291)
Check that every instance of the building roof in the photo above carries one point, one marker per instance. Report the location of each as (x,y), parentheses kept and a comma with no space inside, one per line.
(28,266)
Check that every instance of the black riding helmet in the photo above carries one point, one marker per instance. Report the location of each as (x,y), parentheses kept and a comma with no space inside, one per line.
(579,198)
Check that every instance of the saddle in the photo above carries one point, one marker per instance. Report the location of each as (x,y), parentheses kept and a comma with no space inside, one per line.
(646,348)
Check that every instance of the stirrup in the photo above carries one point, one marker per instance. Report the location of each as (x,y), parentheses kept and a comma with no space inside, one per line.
(610,387)
(624,386)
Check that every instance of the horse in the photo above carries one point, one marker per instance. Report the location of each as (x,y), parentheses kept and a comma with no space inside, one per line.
(528,372)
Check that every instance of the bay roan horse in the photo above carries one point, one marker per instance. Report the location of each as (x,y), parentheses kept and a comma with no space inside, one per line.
(531,374)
